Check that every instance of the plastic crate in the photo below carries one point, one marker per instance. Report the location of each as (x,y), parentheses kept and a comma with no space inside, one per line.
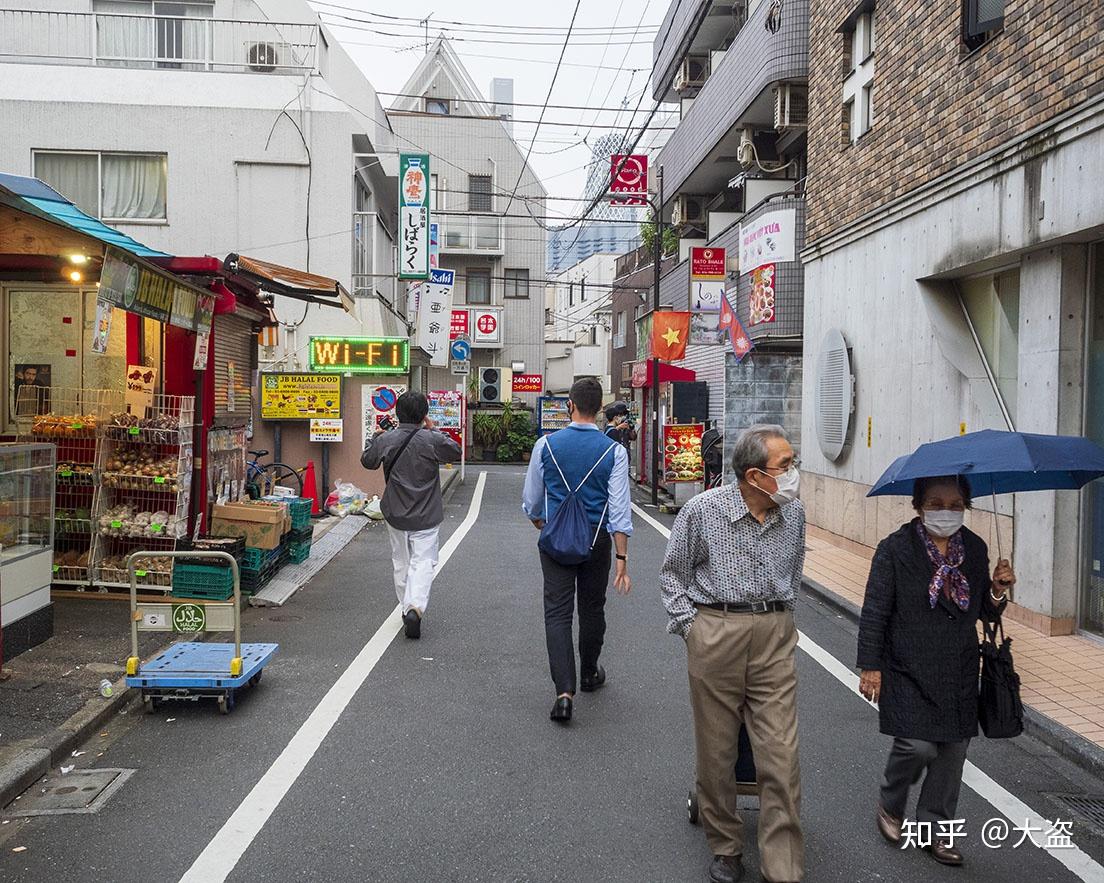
(204,593)
(299,552)
(299,508)
(233,545)
(302,535)
(255,559)
(202,576)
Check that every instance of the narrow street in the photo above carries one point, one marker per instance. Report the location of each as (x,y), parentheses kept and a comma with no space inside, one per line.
(443,765)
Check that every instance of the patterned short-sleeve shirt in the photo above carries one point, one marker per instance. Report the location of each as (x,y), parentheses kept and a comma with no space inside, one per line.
(720,553)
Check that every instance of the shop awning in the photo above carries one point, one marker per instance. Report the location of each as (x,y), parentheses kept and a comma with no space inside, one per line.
(288,282)
(642,374)
(38,198)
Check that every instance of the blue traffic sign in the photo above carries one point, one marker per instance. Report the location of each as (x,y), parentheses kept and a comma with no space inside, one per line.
(460,350)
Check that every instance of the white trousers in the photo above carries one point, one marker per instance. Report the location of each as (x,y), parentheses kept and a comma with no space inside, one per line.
(414,556)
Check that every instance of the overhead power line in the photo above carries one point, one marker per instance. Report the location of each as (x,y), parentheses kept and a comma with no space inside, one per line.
(548,97)
(462,116)
(417,22)
(462,39)
(465,54)
(516,103)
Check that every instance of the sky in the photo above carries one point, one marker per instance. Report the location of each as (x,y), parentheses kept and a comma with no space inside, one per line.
(607,63)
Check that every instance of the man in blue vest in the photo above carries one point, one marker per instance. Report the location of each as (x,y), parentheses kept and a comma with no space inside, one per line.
(583,460)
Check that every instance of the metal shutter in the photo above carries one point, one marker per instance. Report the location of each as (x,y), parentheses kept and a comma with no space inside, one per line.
(234,342)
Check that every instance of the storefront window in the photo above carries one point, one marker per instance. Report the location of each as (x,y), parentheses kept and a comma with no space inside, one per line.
(993,303)
(1092,595)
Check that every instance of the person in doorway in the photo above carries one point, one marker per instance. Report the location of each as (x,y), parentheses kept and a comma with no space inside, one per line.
(730,581)
(929,584)
(619,426)
(411,456)
(579,460)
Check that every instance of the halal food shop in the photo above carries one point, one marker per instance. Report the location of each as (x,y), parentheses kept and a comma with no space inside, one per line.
(349,393)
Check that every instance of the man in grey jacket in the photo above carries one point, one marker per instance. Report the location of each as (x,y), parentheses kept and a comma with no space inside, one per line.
(411,456)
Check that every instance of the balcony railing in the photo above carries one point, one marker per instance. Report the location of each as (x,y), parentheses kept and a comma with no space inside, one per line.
(156,42)
(471,233)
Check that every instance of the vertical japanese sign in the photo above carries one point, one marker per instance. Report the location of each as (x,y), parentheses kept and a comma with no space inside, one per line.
(629,179)
(459,327)
(434,246)
(413,216)
(435,317)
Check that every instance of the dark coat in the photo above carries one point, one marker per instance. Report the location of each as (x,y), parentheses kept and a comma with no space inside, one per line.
(928,656)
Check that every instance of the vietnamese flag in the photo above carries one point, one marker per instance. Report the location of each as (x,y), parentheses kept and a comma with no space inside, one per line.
(670,333)
(737,336)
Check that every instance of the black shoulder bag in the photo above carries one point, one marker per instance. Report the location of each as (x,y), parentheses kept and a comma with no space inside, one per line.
(1000,710)
(388,467)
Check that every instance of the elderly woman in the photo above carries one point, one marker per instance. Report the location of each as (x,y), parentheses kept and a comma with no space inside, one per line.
(918,652)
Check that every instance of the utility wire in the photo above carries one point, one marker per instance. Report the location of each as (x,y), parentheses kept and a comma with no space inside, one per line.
(461,39)
(551,86)
(515,103)
(415,21)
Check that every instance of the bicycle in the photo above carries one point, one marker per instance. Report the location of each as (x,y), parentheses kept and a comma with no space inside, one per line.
(262,478)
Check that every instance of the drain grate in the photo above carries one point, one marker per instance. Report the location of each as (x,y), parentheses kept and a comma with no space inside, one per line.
(81,791)
(1090,809)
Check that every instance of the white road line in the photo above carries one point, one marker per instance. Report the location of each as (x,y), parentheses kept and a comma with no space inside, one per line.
(226,848)
(1007,804)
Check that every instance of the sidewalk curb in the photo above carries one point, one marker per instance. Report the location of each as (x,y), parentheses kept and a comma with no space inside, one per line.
(450,484)
(27,767)
(1062,740)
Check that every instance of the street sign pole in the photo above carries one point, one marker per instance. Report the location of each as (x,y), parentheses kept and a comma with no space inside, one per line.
(657,212)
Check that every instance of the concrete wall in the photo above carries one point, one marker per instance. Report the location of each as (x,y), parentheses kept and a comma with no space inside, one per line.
(765,387)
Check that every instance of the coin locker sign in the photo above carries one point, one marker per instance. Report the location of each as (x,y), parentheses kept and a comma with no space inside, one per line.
(300,396)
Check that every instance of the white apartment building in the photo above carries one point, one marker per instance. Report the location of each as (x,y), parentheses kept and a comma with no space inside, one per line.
(578,328)
(211,127)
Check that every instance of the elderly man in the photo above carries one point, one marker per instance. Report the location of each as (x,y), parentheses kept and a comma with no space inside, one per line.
(730,580)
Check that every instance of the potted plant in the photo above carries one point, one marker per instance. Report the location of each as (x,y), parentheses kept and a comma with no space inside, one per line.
(520,437)
(487,432)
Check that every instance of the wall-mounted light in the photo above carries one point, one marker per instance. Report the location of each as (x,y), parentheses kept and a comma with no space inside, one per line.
(75,276)
(78,259)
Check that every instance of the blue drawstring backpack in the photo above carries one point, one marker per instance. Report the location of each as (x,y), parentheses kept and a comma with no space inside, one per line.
(566,537)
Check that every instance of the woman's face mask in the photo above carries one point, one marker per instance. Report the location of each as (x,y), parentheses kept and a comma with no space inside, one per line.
(942,523)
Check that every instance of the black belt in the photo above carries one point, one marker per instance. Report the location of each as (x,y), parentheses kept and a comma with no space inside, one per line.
(747,607)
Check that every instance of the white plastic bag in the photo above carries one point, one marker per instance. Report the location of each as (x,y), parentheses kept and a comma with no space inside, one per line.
(345,499)
(373,510)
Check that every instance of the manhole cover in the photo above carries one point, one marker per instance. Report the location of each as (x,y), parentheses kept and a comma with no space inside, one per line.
(81,791)
(1090,809)
(286,617)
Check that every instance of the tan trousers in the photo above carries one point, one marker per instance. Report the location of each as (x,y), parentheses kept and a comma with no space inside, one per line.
(742,669)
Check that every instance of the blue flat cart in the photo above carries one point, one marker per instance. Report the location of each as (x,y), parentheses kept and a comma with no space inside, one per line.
(192,670)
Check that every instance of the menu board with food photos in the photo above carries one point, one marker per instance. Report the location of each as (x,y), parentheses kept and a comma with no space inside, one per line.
(682,452)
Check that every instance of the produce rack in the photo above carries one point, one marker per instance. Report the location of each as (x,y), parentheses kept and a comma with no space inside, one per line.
(71,419)
(144,473)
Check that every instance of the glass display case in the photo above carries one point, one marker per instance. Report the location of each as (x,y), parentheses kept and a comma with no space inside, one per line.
(27,476)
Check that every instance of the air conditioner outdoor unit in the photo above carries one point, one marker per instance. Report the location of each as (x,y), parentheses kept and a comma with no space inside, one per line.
(263,58)
(791,107)
(688,210)
(692,73)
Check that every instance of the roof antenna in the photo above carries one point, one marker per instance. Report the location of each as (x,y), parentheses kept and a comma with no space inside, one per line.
(425,21)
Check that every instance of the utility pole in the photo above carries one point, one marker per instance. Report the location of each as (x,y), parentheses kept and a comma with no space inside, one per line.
(657,214)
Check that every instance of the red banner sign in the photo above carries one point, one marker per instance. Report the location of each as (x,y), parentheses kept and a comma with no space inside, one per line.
(528,382)
(629,175)
(707,263)
(459,324)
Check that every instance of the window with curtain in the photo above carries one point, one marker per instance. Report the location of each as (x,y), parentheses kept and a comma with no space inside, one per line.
(167,35)
(517,282)
(479,193)
(478,285)
(109,186)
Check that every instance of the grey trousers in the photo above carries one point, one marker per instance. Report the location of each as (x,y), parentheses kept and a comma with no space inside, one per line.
(908,759)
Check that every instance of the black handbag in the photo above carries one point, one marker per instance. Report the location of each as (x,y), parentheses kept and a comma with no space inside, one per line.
(1000,710)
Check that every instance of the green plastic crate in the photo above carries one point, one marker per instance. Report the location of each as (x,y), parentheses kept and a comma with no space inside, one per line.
(299,552)
(203,576)
(299,509)
(255,559)
(205,593)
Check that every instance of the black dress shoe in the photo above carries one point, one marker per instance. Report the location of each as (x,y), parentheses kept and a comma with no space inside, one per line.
(413,624)
(561,711)
(590,683)
(946,853)
(726,869)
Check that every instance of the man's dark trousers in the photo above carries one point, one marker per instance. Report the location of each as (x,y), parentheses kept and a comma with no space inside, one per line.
(561,583)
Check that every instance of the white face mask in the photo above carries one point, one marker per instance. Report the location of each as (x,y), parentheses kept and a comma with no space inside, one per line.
(943,522)
(789,482)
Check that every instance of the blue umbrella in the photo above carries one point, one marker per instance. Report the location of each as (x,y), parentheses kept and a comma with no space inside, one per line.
(998,462)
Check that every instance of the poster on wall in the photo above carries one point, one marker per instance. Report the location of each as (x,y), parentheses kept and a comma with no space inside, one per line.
(231,386)
(140,382)
(446,410)
(706,294)
(378,407)
(101,330)
(323,429)
(705,328)
(202,346)
(769,239)
(27,375)
(761,300)
(682,457)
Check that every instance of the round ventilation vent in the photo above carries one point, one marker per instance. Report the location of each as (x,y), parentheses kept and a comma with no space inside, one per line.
(833,395)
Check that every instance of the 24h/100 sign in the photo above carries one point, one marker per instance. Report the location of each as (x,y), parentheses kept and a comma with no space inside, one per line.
(360,355)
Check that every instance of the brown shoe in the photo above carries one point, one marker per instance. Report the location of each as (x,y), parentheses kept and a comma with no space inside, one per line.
(889,826)
(945,853)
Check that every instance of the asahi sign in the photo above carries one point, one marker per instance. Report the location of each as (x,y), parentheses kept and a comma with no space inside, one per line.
(414,247)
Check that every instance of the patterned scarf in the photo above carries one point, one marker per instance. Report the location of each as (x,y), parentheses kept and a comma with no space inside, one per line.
(948,579)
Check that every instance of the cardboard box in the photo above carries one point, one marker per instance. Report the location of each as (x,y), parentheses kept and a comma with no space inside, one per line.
(261,525)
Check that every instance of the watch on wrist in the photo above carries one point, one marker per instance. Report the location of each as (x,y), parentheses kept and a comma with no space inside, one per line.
(622,557)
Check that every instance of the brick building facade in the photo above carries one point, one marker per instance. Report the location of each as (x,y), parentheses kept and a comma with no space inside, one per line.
(937,103)
(956,247)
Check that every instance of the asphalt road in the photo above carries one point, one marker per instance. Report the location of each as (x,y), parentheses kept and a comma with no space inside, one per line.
(443,765)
